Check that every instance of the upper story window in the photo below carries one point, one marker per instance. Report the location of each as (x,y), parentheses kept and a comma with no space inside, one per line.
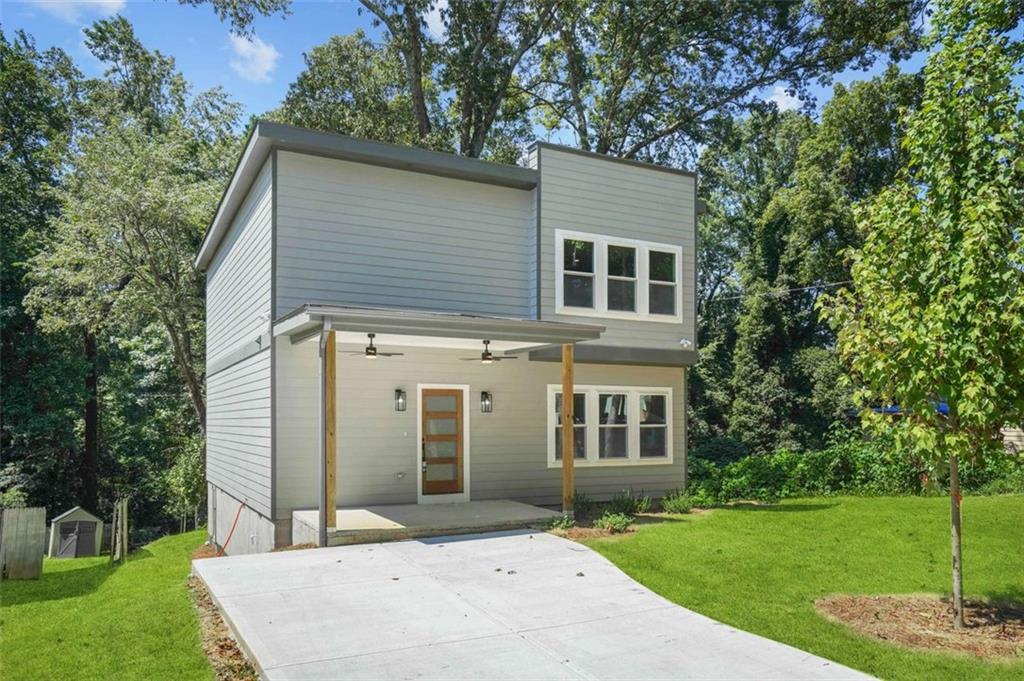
(600,276)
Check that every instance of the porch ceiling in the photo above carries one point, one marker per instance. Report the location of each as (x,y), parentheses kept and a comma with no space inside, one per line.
(434,329)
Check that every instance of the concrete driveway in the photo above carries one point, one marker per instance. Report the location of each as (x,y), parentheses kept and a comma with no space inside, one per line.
(510,605)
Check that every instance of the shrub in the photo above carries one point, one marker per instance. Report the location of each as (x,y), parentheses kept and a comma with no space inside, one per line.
(628,503)
(720,450)
(850,465)
(582,503)
(613,522)
(702,498)
(562,522)
(676,502)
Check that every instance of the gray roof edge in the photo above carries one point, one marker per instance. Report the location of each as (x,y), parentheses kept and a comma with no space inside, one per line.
(268,135)
(613,159)
(454,320)
(71,510)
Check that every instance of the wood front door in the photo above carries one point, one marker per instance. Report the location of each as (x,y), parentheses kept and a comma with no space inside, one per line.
(442,445)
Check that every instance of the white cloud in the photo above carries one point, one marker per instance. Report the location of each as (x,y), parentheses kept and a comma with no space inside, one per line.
(784,100)
(71,11)
(435,23)
(254,59)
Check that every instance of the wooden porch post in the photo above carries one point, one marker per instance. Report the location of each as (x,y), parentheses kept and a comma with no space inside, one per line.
(330,425)
(568,450)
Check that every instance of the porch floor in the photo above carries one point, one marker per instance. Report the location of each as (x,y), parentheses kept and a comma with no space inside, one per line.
(360,525)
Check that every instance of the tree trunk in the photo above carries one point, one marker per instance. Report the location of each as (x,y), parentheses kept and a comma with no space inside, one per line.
(90,454)
(413,49)
(954,507)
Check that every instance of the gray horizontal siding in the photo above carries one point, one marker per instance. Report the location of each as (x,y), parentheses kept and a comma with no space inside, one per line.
(238,298)
(238,280)
(585,194)
(362,235)
(378,452)
(238,431)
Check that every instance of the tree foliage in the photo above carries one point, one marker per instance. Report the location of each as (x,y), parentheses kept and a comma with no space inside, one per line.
(654,80)
(42,383)
(352,86)
(780,191)
(936,313)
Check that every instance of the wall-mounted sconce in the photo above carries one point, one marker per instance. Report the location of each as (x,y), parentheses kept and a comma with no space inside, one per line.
(399,399)
(486,402)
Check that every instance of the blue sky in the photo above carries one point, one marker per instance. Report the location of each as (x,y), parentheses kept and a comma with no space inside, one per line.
(256,73)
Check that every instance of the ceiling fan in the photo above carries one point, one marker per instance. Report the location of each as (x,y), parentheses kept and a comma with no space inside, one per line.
(486,357)
(371,351)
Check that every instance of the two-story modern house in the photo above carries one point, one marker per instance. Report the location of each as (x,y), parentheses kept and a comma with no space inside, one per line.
(388,325)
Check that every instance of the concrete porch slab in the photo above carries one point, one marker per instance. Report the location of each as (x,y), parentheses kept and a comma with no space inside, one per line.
(409,521)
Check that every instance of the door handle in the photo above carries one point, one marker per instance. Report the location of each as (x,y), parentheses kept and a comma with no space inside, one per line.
(423,454)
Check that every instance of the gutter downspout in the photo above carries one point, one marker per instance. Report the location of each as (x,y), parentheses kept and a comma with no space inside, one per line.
(322,425)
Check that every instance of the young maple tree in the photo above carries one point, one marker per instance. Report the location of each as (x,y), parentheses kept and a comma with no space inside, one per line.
(934,321)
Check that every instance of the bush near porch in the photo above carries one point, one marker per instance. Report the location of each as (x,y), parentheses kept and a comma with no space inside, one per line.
(761,568)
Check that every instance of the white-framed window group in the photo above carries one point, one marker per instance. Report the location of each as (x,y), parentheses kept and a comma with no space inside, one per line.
(613,425)
(603,276)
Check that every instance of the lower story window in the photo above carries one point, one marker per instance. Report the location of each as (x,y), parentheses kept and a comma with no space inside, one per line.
(579,429)
(653,425)
(613,425)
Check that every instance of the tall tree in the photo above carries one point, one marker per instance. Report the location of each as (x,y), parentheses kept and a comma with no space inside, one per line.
(653,79)
(780,193)
(659,78)
(935,321)
(150,162)
(354,87)
(43,378)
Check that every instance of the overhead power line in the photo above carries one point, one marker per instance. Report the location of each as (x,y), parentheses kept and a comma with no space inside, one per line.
(783,292)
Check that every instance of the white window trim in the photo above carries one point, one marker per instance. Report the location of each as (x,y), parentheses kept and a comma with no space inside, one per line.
(593,429)
(643,281)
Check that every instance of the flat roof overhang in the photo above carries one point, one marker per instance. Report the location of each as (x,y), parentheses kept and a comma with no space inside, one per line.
(267,136)
(507,333)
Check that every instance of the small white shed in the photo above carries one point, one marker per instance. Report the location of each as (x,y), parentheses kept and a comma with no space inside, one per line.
(75,533)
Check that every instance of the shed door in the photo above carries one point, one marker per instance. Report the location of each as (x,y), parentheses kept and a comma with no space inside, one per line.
(77,539)
(86,545)
(68,546)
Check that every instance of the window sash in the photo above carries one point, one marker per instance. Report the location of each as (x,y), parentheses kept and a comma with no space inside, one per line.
(595,431)
(642,283)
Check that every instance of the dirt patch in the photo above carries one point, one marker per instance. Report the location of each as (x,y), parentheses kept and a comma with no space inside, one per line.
(926,622)
(227,660)
(205,551)
(294,547)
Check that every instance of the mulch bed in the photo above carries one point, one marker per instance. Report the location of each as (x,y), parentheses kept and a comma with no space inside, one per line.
(227,660)
(992,630)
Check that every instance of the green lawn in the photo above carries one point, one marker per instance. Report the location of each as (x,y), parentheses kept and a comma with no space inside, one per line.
(87,620)
(761,569)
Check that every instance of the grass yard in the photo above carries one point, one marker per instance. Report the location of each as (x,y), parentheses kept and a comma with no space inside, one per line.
(761,569)
(87,620)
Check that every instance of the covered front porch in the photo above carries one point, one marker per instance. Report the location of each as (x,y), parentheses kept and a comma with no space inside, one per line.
(439,390)
(395,522)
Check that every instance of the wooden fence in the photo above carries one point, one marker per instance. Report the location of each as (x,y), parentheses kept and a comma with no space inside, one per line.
(22,542)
